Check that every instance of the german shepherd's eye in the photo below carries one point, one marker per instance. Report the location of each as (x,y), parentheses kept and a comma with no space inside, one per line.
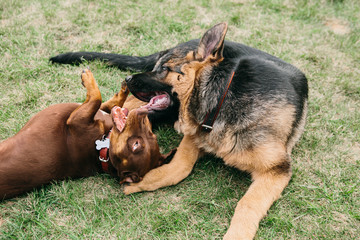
(165,69)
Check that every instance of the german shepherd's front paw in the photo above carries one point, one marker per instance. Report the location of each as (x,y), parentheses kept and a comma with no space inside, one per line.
(87,78)
(132,188)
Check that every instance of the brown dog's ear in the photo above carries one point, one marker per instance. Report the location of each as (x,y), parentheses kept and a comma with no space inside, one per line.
(212,43)
(166,158)
(118,115)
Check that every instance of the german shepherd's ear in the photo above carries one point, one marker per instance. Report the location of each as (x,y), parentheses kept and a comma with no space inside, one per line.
(212,43)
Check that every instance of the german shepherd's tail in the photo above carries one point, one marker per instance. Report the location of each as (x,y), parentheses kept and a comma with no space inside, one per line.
(123,62)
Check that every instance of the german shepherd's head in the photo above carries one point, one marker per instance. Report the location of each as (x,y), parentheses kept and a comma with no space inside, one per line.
(169,86)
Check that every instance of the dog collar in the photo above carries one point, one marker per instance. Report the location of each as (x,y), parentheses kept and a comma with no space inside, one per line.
(103,146)
(211,116)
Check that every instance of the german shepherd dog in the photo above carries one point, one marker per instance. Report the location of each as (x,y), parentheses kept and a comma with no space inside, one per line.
(241,104)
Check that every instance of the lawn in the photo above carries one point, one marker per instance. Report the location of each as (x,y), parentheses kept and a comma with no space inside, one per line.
(320,37)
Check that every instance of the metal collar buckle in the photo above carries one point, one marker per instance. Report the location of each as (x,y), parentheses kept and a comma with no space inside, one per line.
(103,159)
(206,127)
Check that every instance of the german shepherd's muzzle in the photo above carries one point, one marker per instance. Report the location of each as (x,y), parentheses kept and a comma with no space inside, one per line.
(162,103)
(241,104)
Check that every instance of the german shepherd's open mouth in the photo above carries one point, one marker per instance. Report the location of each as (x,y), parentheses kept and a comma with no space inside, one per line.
(157,101)
(161,101)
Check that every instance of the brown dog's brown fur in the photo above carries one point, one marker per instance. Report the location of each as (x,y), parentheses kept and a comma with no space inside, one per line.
(59,142)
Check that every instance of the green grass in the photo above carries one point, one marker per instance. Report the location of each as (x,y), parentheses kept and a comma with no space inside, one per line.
(321,38)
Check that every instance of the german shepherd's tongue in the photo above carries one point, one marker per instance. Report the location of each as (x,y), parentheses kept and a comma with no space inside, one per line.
(119,116)
(158,102)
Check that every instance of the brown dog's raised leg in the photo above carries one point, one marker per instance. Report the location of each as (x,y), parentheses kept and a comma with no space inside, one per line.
(117,100)
(85,113)
(169,174)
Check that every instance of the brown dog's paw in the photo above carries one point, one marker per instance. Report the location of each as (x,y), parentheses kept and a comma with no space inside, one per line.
(87,78)
(124,88)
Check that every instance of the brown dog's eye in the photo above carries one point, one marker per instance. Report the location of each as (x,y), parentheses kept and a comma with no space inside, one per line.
(178,77)
(136,145)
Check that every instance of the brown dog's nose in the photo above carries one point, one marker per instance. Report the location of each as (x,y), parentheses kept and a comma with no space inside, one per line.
(128,78)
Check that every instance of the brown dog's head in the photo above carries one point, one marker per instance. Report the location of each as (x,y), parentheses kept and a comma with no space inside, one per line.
(178,71)
(134,150)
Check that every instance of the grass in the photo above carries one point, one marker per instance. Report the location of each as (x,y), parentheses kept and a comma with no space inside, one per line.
(322,200)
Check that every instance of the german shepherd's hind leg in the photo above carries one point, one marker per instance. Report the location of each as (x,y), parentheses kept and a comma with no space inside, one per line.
(85,112)
(169,174)
(117,100)
(266,188)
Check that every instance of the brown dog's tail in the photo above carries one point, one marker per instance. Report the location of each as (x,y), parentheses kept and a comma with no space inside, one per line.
(123,62)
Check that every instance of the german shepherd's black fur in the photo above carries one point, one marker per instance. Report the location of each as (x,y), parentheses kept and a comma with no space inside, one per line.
(262,117)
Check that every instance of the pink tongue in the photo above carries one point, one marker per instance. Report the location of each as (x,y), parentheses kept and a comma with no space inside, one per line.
(158,99)
(119,117)
(158,102)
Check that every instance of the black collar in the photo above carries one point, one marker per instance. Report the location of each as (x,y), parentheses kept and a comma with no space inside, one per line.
(211,116)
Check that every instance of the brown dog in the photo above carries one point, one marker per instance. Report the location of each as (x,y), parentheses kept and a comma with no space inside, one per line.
(59,142)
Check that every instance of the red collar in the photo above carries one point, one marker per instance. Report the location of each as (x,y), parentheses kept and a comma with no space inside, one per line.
(211,116)
(103,147)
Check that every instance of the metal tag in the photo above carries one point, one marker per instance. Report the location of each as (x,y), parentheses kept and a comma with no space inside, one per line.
(104,143)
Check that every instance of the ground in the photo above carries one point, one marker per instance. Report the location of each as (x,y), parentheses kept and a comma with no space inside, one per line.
(319,37)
